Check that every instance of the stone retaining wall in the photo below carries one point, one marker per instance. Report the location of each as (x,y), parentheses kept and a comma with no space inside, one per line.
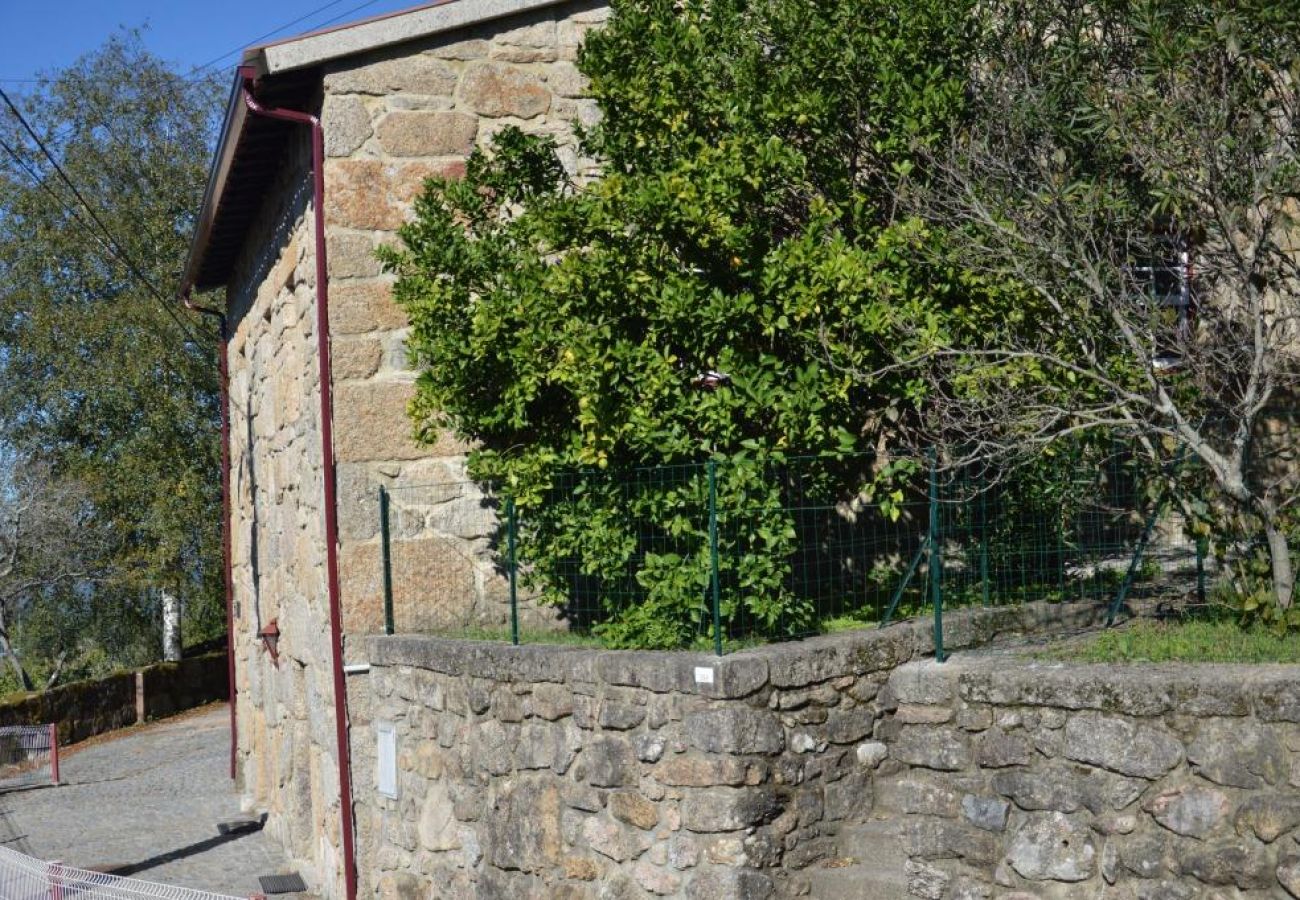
(1059,781)
(559,772)
(84,709)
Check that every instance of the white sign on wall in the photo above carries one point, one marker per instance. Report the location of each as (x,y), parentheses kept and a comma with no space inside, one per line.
(386,756)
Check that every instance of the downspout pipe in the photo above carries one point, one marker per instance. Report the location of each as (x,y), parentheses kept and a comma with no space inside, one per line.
(247,75)
(223,376)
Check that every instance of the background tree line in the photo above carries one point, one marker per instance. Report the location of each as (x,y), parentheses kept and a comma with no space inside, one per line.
(109,460)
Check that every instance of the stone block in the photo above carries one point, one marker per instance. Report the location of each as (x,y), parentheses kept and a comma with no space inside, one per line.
(989,813)
(734,884)
(918,793)
(371,424)
(656,879)
(550,702)
(347,124)
(1269,816)
(613,839)
(1189,809)
(734,729)
(926,881)
(524,830)
(404,74)
(620,716)
(633,809)
(1121,745)
(1232,862)
(376,195)
(564,80)
(427,133)
(1053,847)
(700,771)
(1060,787)
(473,48)
(494,90)
(358,503)
(362,307)
(932,748)
(1144,854)
(1278,700)
(729,809)
(940,839)
(1288,875)
(350,256)
(608,761)
(997,749)
(356,359)
(1237,754)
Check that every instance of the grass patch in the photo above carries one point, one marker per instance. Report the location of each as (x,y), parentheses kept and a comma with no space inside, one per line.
(526,636)
(1188,641)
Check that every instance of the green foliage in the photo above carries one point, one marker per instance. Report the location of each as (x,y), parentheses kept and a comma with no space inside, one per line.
(96,377)
(739,224)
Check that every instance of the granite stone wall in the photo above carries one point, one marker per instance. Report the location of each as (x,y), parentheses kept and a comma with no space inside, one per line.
(392,119)
(850,767)
(560,772)
(1018,781)
(287,753)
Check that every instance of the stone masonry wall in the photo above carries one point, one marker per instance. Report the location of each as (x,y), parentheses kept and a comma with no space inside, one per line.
(1022,781)
(392,119)
(560,772)
(286,753)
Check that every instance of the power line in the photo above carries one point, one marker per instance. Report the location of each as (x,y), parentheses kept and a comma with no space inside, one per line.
(121,254)
(41,183)
(262,37)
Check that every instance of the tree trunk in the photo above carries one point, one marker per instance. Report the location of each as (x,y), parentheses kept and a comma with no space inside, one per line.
(24,680)
(1280,557)
(171,626)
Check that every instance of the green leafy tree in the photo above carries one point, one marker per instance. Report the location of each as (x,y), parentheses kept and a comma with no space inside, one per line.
(1134,168)
(741,225)
(100,375)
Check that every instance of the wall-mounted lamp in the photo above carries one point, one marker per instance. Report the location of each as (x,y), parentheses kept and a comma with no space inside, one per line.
(270,635)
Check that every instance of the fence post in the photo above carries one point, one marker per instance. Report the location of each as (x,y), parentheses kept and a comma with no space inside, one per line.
(984,545)
(936,557)
(385,533)
(54,753)
(512,566)
(713,557)
(54,873)
(1201,547)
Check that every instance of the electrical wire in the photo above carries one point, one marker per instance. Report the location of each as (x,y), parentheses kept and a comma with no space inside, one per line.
(261,37)
(168,344)
(121,254)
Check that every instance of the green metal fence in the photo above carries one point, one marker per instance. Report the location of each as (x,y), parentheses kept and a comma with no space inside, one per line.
(722,554)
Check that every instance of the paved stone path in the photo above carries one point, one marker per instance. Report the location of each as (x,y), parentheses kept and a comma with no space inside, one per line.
(146,804)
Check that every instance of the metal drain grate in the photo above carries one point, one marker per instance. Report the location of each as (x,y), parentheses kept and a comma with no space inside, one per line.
(282,884)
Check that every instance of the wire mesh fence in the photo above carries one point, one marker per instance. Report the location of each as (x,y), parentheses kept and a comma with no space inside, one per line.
(721,554)
(29,755)
(24,877)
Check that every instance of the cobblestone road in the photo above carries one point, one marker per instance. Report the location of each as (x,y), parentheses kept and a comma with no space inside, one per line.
(146,804)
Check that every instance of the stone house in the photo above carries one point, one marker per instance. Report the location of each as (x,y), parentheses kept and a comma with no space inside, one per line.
(327,139)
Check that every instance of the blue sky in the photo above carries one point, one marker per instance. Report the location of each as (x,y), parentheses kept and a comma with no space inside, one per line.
(39,35)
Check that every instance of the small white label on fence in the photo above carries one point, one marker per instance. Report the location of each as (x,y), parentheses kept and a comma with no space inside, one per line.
(704,674)
(386,777)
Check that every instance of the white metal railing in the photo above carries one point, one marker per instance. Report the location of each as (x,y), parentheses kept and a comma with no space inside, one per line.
(24,877)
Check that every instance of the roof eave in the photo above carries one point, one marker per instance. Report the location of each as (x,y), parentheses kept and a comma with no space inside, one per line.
(314,50)
(320,47)
(231,127)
